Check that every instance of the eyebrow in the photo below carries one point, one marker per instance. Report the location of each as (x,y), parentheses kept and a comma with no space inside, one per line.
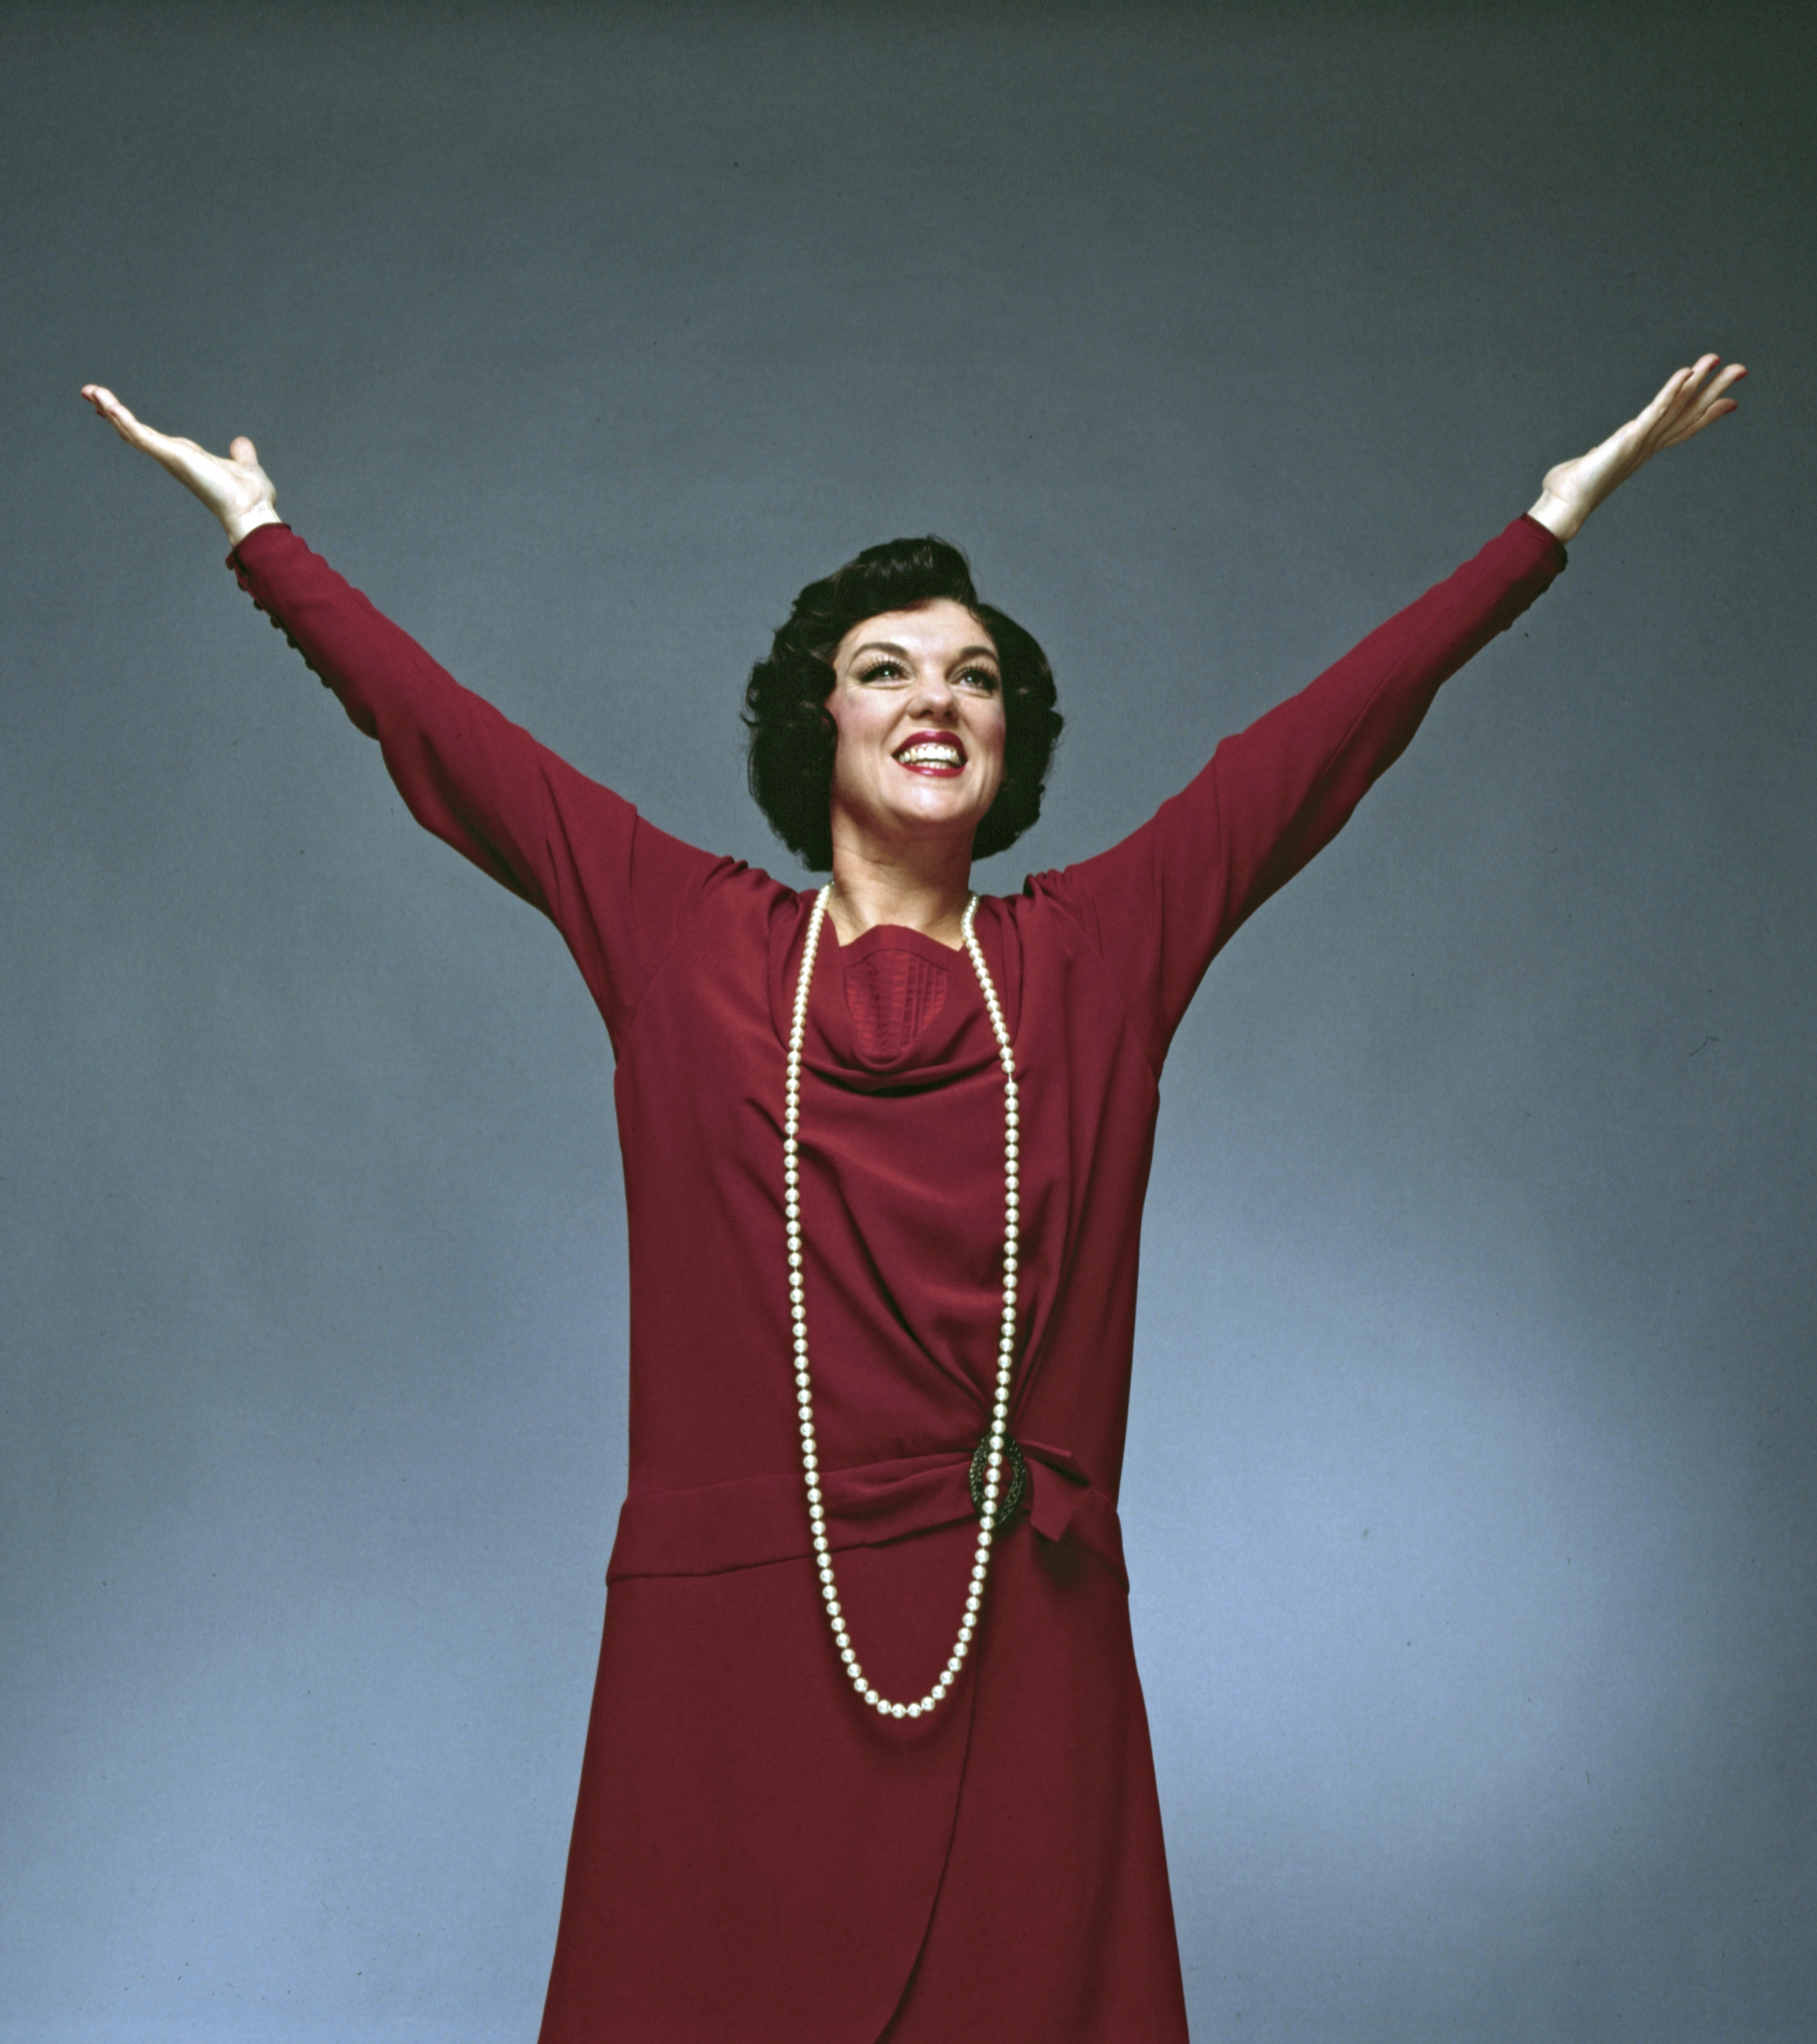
(965,653)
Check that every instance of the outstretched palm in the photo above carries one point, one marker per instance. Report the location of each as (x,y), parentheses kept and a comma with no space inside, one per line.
(1685,405)
(235,489)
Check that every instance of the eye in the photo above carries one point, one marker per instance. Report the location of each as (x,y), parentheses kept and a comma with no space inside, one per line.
(882,671)
(983,678)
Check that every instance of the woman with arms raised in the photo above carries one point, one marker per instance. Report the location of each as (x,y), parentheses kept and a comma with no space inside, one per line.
(868,1757)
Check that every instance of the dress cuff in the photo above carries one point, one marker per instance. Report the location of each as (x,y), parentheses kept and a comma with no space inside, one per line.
(245,557)
(1545,532)
(238,559)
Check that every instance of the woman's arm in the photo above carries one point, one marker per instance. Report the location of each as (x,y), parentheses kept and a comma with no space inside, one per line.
(613,884)
(1162,902)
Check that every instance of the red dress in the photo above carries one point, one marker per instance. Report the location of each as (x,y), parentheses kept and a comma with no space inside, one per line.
(756,1856)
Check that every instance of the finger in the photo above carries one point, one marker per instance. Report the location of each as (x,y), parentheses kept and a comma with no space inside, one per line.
(1688,380)
(1694,426)
(1711,393)
(1713,402)
(1720,409)
(110,408)
(1654,416)
(1692,392)
(1673,386)
(1682,407)
(160,446)
(243,450)
(1718,393)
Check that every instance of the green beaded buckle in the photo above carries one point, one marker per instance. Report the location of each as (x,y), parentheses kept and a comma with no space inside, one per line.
(1007,1505)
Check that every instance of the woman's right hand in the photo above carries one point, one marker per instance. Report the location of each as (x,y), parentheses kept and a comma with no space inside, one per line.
(1687,403)
(237,490)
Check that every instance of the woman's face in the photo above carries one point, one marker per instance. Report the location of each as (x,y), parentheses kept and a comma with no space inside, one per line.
(917,703)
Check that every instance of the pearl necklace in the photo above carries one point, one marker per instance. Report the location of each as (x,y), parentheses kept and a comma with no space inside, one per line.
(995,1445)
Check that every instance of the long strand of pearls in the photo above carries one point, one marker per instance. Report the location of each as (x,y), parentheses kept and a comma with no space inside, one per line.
(798,1313)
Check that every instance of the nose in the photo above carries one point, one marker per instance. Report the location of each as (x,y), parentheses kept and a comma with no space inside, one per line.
(933,695)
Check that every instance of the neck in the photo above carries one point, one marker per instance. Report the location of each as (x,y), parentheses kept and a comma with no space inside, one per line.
(925,889)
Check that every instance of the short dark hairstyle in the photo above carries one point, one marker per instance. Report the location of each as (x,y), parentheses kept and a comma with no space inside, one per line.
(790,752)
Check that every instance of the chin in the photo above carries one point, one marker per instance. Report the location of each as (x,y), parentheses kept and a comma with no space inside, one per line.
(948,822)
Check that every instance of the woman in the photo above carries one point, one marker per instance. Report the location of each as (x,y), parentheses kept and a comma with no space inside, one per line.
(868,1757)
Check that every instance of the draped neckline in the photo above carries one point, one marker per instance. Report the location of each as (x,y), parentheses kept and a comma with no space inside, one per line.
(894,1007)
(894,989)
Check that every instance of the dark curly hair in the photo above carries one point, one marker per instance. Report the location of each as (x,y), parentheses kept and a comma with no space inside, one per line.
(790,752)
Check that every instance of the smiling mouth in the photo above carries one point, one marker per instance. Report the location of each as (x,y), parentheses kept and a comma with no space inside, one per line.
(932,755)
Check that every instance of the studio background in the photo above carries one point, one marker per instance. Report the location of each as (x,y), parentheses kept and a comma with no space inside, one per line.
(1469,1498)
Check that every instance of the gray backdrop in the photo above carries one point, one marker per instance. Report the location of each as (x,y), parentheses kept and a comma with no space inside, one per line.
(1469,1498)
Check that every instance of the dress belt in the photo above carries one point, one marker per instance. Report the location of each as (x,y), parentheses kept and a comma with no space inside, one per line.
(758,1519)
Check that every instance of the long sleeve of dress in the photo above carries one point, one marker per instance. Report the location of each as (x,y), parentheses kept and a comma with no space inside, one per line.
(614,885)
(1162,903)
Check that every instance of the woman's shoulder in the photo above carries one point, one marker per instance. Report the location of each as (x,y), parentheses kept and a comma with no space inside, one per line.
(1051,912)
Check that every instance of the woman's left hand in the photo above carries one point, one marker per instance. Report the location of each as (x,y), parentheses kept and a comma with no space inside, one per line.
(1689,402)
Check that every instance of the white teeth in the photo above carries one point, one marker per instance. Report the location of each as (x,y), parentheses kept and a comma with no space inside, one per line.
(931,756)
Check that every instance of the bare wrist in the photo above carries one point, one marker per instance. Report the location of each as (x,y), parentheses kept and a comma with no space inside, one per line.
(236,524)
(1564,521)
